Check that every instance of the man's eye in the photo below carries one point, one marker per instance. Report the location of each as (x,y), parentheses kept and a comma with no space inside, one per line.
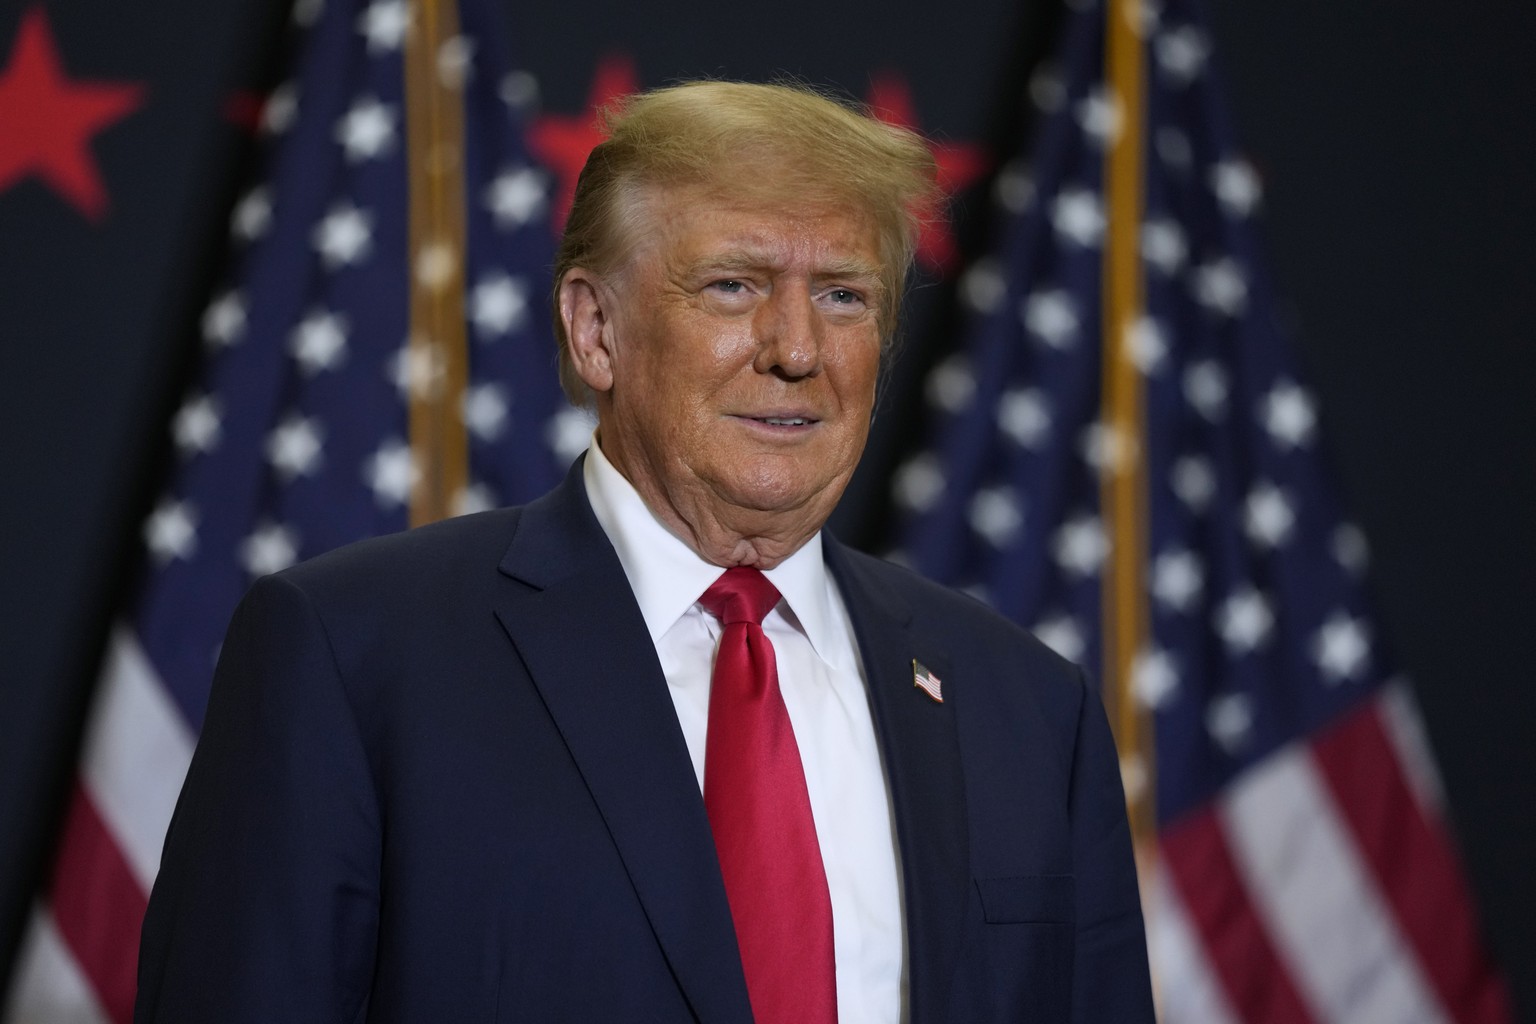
(729,286)
(844,296)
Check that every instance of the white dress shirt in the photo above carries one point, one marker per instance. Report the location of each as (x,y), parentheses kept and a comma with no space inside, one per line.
(822,681)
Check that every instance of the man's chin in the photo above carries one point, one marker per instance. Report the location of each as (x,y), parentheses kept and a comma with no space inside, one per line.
(771,490)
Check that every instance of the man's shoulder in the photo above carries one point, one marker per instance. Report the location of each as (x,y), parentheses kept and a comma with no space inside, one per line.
(968,623)
(432,547)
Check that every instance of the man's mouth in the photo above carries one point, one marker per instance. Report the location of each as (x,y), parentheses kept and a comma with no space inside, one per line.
(784,421)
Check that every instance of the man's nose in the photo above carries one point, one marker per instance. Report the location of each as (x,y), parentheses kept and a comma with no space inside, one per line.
(788,335)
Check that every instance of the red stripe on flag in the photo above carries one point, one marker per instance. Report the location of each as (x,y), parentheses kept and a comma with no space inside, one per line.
(98,906)
(1257,984)
(1414,864)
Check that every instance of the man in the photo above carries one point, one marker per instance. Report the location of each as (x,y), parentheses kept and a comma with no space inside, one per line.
(652,748)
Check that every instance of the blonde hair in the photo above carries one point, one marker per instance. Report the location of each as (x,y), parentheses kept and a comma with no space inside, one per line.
(795,145)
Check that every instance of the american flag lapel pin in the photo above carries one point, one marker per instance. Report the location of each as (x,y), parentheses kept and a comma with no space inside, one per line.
(924,679)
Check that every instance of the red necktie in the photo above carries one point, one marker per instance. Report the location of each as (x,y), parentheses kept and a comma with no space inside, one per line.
(760,813)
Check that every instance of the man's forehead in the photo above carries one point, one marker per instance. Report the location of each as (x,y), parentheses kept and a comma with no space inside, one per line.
(704,227)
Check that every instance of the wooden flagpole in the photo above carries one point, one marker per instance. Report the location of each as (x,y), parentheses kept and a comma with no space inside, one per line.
(1123,485)
(438,355)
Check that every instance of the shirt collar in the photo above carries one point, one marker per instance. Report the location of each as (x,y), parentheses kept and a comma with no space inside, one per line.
(667,576)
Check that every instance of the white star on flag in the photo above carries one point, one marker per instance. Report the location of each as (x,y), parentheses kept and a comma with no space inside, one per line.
(280,109)
(498,305)
(1015,187)
(1350,548)
(1025,415)
(1205,387)
(919,482)
(1244,621)
(1229,718)
(391,472)
(198,425)
(1163,245)
(951,384)
(1154,679)
(519,90)
(516,196)
(1289,415)
(1342,647)
(294,447)
(1221,287)
(1268,516)
(344,235)
(1077,214)
(367,130)
(269,548)
(983,288)
(385,23)
(1177,579)
(1061,634)
(1147,344)
(171,531)
(485,410)
(319,342)
(1099,115)
(1236,186)
(1051,316)
(1181,53)
(224,320)
(1080,546)
(1194,482)
(997,514)
(569,432)
(252,214)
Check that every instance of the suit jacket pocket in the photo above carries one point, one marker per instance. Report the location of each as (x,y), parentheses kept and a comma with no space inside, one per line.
(1028,899)
(1018,967)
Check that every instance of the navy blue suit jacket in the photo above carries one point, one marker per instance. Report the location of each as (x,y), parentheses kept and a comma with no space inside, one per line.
(441,779)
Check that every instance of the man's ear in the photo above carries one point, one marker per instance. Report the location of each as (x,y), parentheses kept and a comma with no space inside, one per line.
(586,305)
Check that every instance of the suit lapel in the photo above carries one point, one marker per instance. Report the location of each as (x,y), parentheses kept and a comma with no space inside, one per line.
(922,760)
(575,623)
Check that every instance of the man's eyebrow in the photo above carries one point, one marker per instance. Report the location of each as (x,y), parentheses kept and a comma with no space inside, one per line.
(744,260)
(850,267)
(730,261)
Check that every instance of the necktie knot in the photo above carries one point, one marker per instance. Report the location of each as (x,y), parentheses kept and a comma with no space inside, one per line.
(741,594)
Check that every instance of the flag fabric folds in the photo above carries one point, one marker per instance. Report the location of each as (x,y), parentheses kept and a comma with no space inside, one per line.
(1302,869)
(295,436)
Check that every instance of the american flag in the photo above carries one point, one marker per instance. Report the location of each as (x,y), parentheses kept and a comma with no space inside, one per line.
(295,437)
(1301,865)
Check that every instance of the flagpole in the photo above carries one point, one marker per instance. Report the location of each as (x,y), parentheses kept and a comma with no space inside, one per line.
(1122,478)
(438,355)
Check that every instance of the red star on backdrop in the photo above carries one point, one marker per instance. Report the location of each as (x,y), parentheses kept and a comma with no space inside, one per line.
(47,120)
(959,165)
(563,143)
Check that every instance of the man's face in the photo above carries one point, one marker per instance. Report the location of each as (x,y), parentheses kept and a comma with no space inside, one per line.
(744,344)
